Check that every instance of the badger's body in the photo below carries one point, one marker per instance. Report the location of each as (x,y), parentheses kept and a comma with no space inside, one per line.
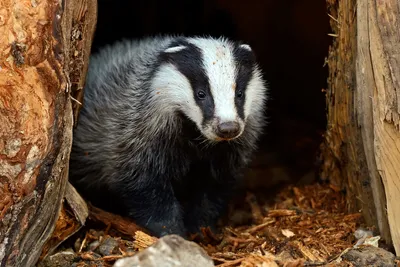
(167,126)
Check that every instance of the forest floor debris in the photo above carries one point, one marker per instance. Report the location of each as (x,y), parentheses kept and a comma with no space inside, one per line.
(299,226)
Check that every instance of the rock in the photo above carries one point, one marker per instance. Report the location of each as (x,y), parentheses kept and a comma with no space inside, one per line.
(370,256)
(94,245)
(169,251)
(108,247)
(60,259)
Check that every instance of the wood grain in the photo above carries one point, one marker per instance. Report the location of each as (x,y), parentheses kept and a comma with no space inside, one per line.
(345,161)
(364,107)
(362,145)
(35,123)
(384,38)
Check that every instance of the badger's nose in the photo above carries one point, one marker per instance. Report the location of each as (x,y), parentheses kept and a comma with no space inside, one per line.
(228,129)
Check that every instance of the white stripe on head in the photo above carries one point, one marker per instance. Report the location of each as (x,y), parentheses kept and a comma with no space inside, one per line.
(220,68)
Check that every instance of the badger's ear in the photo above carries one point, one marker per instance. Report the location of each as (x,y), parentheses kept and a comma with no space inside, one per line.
(245,46)
(175,49)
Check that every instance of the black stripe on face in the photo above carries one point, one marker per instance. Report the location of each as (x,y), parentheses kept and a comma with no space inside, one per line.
(189,62)
(245,62)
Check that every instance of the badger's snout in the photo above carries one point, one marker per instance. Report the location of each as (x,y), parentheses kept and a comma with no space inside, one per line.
(228,130)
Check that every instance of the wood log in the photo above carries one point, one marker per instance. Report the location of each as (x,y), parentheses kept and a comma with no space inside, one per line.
(37,48)
(73,214)
(364,106)
(122,224)
(380,70)
(361,148)
(344,158)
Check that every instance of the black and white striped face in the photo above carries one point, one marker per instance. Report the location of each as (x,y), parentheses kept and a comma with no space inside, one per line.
(215,82)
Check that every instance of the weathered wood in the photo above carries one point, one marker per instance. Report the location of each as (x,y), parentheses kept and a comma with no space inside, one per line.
(35,128)
(345,163)
(35,121)
(364,108)
(384,38)
(77,26)
(79,21)
(122,224)
(72,217)
(361,148)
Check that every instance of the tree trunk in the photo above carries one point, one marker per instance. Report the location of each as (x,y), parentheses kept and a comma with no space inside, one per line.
(361,148)
(42,56)
(379,75)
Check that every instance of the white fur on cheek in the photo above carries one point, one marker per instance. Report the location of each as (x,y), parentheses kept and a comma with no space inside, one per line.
(173,90)
(255,94)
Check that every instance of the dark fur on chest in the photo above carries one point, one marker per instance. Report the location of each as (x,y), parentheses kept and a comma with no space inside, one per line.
(197,167)
(179,185)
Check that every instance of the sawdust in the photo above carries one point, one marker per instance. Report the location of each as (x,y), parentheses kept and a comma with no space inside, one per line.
(302,226)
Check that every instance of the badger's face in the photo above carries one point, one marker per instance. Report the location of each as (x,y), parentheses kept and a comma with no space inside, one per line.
(214,82)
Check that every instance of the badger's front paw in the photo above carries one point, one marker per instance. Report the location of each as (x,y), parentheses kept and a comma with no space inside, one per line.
(163,221)
(203,213)
(164,227)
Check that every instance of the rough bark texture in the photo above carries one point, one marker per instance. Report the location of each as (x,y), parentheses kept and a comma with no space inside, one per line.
(364,106)
(77,26)
(361,148)
(35,122)
(382,72)
(72,217)
(79,21)
(344,158)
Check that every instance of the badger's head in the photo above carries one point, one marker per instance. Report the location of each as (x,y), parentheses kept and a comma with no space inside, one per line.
(215,82)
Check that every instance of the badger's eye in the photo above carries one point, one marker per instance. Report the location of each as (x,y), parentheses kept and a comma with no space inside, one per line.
(239,94)
(201,94)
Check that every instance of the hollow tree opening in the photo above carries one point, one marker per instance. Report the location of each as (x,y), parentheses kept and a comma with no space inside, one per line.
(290,39)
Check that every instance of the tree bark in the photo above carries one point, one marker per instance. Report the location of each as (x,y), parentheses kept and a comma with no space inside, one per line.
(37,49)
(364,107)
(361,148)
(380,70)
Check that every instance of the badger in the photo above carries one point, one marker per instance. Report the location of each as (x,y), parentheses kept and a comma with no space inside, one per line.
(167,127)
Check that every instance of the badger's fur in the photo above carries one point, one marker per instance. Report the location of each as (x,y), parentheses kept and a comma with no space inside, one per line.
(167,126)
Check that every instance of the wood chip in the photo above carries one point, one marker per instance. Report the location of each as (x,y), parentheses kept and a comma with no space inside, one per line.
(313,217)
(281,213)
(287,233)
(123,225)
(143,240)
